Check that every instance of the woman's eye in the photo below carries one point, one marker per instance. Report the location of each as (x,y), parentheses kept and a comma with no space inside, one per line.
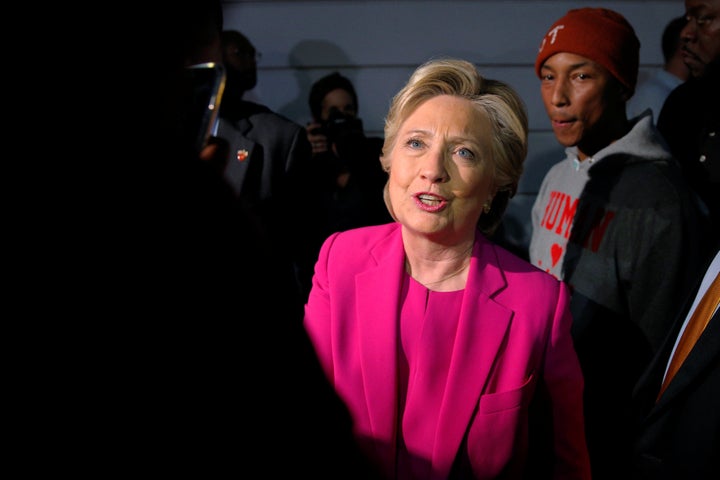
(414,143)
(465,153)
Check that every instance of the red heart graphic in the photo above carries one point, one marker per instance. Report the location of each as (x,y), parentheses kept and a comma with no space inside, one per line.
(555,252)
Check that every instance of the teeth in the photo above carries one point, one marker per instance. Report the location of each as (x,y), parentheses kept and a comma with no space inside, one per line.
(428,199)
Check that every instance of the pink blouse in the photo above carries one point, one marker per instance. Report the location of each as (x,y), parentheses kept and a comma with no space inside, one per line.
(428,324)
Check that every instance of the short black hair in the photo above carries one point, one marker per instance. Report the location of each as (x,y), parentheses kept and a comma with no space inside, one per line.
(236,37)
(671,36)
(325,85)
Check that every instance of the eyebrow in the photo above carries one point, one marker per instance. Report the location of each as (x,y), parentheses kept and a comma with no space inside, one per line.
(574,66)
(472,141)
(418,131)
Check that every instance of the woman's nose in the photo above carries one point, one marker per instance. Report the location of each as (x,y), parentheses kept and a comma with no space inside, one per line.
(434,167)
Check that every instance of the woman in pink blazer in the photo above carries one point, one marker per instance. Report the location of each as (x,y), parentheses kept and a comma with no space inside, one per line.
(453,356)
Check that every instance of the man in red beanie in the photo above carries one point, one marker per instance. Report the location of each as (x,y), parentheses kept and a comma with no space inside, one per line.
(614,219)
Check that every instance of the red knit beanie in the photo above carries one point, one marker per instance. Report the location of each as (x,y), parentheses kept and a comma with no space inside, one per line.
(604,36)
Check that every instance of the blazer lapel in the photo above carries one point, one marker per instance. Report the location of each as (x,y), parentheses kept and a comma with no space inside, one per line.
(378,337)
(705,351)
(484,323)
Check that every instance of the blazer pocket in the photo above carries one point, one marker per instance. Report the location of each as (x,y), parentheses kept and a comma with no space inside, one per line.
(516,398)
(498,433)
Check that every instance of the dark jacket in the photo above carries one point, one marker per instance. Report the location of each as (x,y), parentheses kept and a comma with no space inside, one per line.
(631,251)
(679,436)
(265,149)
(690,122)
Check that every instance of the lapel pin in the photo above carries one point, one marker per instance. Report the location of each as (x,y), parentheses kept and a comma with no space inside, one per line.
(242,155)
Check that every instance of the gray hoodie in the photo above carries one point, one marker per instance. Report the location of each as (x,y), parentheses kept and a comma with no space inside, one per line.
(622,230)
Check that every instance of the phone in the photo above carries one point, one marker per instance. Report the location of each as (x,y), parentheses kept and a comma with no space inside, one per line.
(204,86)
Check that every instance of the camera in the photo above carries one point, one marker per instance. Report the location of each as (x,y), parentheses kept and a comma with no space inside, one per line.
(342,129)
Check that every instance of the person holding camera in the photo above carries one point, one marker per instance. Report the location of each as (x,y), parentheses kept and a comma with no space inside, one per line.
(337,136)
(331,96)
(345,179)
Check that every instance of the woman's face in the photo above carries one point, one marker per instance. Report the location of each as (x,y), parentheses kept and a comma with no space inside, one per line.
(441,170)
(339,99)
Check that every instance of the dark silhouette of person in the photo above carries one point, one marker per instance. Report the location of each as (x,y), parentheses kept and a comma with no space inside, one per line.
(344,182)
(265,149)
(202,366)
(690,118)
(676,433)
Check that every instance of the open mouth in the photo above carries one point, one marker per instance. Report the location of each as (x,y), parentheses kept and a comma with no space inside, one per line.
(429,199)
(429,202)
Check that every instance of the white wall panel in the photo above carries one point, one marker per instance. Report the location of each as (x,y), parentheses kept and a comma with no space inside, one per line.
(378,43)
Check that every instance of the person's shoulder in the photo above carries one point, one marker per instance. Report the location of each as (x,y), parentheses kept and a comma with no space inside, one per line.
(366,235)
(683,108)
(641,153)
(511,262)
(557,172)
(686,89)
(521,274)
(252,108)
(353,247)
(648,181)
(682,100)
(285,121)
(263,110)
(652,184)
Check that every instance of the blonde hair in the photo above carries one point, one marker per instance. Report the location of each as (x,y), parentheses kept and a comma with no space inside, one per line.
(499,102)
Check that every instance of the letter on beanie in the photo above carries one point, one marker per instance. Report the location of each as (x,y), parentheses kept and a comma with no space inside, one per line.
(602,35)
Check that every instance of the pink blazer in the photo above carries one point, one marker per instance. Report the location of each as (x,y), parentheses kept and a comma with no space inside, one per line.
(513,336)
